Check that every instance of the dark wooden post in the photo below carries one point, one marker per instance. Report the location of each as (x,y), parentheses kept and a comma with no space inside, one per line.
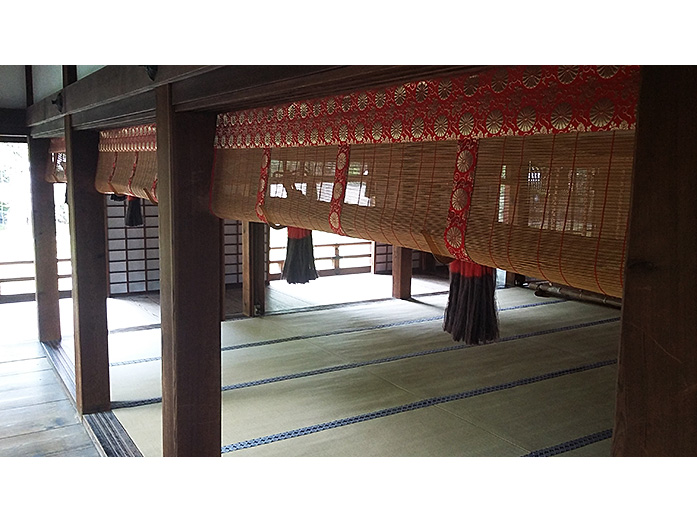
(190,279)
(514,279)
(45,258)
(656,410)
(253,269)
(89,271)
(223,290)
(401,272)
(427,262)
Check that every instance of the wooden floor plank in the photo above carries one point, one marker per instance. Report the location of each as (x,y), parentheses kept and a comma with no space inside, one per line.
(23,366)
(86,451)
(70,440)
(21,351)
(25,380)
(35,418)
(49,391)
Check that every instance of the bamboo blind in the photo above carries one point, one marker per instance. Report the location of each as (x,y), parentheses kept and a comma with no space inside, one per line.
(301,184)
(144,180)
(395,193)
(554,207)
(130,173)
(399,193)
(127,162)
(235,183)
(105,170)
(55,166)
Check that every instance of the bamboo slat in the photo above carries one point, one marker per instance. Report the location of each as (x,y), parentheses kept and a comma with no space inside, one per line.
(554,207)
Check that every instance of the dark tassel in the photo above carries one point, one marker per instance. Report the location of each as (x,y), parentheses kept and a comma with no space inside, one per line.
(471,312)
(299,266)
(134,216)
(118,197)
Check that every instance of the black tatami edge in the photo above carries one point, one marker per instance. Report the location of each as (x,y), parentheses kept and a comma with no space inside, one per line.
(104,428)
(568,446)
(332,333)
(111,436)
(353,365)
(428,402)
(331,306)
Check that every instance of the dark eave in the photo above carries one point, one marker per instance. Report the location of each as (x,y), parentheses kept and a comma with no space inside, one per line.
(119,96)
(12,124)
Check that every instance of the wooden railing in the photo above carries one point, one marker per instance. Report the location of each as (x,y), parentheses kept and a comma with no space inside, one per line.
(337,268)
(12,296)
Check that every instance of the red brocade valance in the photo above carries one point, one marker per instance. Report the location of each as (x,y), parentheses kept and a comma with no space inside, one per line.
(129,139)
(127,162)
(521,100)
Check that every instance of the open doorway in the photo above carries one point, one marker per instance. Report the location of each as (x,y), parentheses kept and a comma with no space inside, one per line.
(17,272)
(16,237)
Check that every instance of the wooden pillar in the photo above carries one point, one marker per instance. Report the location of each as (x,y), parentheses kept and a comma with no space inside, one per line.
(514,279)
(45,258)
(656,409)
(427,262)
(89,271)
(222,273)
(401,272)
(253,269)
(189,282)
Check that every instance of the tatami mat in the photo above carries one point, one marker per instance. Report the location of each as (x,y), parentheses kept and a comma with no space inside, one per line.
(425,432)
(547,413)
(328,369)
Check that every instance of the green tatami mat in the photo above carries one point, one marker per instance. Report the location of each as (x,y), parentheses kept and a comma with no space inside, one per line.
(301,385)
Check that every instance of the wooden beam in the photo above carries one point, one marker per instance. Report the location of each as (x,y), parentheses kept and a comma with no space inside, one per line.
(189,282)
(106,86)
(108,94)
(136,110)
(657,379)
(29,84)
(89,271)
(45,258)
(213,86)
(52,129)
(401,272)
(44,111)
(242,87)
(253,269)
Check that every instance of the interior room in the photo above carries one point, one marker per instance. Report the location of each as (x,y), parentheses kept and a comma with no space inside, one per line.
(347,261)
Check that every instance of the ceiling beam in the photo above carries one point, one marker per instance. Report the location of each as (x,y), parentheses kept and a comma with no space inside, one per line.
(119,96)
(106,86)
(52,129)
(244,87)
(136,110)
